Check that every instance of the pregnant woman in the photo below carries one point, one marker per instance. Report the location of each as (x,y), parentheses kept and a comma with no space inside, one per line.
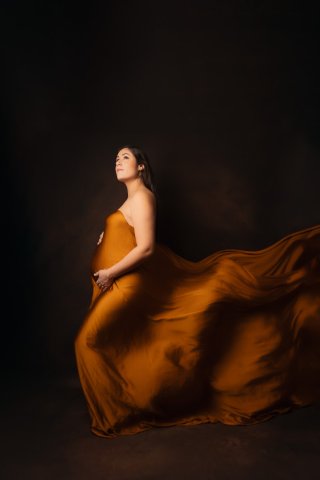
(232,338)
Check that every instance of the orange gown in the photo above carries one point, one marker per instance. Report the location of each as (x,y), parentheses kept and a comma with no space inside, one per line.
(232,338)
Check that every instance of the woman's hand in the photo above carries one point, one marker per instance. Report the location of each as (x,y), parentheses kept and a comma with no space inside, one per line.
(100,238)
(103,280)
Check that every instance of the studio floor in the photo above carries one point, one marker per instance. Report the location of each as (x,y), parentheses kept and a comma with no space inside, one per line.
(47,436)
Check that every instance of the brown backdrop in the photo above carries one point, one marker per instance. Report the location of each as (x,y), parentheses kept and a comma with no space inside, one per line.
(223,97)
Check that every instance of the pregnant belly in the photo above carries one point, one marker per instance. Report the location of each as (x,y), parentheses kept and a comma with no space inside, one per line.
(102,258)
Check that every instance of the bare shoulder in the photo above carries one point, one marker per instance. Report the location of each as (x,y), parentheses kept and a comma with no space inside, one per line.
(143,215)
(143,208)
(143,198)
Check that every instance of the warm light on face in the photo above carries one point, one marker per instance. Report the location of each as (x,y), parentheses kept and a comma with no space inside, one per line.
(124,154)
(126,163)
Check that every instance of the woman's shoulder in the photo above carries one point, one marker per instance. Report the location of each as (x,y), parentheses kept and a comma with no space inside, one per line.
(143,199)
(145,194)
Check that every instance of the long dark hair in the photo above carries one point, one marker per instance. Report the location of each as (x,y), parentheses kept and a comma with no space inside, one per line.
(147,174)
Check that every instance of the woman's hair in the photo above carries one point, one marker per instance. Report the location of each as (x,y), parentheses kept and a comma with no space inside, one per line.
(146,175)
(147,172)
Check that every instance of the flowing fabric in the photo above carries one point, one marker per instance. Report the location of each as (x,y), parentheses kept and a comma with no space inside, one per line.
(232,338)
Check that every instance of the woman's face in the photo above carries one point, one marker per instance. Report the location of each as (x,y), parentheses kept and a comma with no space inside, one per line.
(126,165)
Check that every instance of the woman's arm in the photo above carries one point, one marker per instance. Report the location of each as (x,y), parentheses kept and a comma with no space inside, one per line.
(143,218)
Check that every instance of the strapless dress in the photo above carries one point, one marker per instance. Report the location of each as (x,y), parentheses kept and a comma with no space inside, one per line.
(232,338)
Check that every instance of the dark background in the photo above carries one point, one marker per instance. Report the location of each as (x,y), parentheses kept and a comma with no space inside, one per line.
(224,98)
